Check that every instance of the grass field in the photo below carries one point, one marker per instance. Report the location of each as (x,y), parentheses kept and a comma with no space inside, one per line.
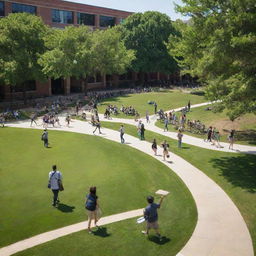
(123,176)
(245,126)
(234,173)
(165,100)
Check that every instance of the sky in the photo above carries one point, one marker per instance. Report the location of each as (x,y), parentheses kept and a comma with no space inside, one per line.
(164,6)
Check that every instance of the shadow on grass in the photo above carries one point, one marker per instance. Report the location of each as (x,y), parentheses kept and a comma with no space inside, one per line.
(238,170)
(102,232)
(65,208)
(156,240)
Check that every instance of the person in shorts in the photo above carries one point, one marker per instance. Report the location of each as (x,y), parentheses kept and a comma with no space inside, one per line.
(92,205)
(151,216)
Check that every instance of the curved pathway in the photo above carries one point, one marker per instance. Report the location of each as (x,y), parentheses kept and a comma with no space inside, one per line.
(186,138)
(220,229)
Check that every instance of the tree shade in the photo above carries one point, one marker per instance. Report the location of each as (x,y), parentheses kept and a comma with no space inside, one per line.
(218,45)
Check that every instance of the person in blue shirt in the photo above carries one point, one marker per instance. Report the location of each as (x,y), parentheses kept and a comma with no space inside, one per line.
(151,216)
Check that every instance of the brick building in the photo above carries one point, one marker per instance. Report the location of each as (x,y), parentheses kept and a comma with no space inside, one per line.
(58,14)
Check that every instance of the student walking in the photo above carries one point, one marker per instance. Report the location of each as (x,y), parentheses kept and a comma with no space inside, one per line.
(68,119)
(44,138)
(92,206)
(147,117)
(33,119)
(165,146)
(154,146)
(179,135)
(151,216)
(121,130)
(55,184)
(231,139)
(97,124)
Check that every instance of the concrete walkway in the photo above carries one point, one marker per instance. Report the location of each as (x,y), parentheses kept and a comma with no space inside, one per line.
(220,230)
(57,233)
(191,140)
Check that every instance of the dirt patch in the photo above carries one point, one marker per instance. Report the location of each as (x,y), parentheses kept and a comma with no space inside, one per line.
(225,125)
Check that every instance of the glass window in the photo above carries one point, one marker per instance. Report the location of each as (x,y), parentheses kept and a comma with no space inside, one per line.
(106,21)
(23,8)
(1,8)
(65,17)
(85,19)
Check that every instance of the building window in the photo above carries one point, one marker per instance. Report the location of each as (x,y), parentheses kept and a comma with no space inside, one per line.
(106,21)
(23,8)
(1,9)
(64,17)
(85,19)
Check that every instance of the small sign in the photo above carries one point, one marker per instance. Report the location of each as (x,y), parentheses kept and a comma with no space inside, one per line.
(162,192)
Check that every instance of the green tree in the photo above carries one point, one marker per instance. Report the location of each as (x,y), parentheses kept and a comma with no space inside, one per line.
(110,55)
(147,34)
(68,53)
(218,45)
(21,43)
(79,52)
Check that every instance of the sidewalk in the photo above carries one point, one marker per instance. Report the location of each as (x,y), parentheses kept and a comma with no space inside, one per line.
(220,229)
(186,138)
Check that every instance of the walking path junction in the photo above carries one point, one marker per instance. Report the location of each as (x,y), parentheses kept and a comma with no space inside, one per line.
(220,228)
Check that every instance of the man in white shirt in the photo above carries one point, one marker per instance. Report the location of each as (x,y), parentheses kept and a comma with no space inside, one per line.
(55,178)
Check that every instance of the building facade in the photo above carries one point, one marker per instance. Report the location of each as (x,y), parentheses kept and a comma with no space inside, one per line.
(58,14)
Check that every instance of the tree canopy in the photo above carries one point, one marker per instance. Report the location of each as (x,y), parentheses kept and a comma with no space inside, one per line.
(21,43)
(79,52)
(218,45)
(68,52)
(147,34)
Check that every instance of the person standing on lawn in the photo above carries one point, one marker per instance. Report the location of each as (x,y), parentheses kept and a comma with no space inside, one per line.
(92,206)
(142,132)
(55,184)
(166,122)
(151,216)
(155,106)
(44,138)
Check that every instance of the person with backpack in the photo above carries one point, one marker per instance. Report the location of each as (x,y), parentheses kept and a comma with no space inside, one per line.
(44,138)
(92,205)
(55,184)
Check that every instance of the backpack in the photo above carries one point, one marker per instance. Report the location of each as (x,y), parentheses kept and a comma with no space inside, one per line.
(90,203)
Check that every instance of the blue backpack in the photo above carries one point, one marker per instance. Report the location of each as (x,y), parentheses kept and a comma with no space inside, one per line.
(90,203)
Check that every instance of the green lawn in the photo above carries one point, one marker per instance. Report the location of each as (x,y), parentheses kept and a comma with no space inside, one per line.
(234,173)
(166,100)
(245,126)
(123,176)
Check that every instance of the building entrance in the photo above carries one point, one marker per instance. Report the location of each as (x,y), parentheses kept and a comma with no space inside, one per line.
(57,86)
